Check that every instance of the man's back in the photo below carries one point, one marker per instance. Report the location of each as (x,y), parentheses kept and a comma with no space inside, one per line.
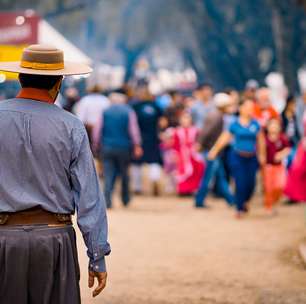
(37,145)
(116,127)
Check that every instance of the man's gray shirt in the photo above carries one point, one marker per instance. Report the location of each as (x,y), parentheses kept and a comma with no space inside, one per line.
(45,160)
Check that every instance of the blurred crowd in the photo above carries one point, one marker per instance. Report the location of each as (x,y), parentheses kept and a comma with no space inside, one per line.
(196,143)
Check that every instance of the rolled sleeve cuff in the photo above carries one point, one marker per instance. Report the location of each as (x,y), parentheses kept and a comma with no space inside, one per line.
(98,265)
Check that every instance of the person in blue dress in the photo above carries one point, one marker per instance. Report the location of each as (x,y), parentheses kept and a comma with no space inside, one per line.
(248,146)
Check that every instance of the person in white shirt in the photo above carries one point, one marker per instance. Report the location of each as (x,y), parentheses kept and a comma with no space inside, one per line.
(90,108)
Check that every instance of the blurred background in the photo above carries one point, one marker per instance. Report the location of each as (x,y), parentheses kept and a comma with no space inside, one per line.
(188,71)
(176,41)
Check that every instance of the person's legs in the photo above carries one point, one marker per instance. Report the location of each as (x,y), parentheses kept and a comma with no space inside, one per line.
(53,266)
(110,173)
(251,166)
(209,174)
(14,266)
(136,178)
(222,185)
(154,176)
(123,166)
(240,177)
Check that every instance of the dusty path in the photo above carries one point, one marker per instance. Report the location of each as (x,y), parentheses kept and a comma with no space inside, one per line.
(164,251)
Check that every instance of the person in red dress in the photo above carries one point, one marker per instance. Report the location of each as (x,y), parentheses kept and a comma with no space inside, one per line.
(296,183)
(190,166)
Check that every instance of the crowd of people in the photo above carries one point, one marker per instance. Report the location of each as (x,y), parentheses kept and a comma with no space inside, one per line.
(198,143)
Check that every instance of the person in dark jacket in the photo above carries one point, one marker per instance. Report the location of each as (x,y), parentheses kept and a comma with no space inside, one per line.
(148,116)
(291,127)
(118,137)
(290,123)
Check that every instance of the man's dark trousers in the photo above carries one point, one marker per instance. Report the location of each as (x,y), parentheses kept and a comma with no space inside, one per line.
(38,265)
(116,163)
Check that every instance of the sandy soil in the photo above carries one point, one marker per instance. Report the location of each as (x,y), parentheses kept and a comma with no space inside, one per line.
(165,251)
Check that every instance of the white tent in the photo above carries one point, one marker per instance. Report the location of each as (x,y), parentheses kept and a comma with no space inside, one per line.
(47,34)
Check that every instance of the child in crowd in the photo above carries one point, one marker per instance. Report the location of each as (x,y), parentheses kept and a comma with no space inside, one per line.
(277,150)
(190,166)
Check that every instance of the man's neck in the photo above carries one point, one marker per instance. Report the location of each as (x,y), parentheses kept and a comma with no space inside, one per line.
(36,94)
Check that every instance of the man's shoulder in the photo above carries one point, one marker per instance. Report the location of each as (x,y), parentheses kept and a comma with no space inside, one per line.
(41,109)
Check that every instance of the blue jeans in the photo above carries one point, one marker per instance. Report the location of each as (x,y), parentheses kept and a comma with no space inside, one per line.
(116,163)
(214,171)
(244,171)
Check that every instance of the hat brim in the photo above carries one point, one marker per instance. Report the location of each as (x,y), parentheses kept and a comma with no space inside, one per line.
(70,68)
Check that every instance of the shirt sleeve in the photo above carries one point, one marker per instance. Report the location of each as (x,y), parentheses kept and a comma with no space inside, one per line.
(89,202)
(96,133)
(134,128)
(232,128)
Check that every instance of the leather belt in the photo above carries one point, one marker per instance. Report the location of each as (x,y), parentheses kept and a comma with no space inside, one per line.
(34,216)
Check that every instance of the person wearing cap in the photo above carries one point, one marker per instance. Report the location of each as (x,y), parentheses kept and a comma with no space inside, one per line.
(117,137)
(212,129)
(47,173)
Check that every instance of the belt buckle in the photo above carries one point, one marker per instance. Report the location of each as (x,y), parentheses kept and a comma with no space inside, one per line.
(3,218)
(63,218)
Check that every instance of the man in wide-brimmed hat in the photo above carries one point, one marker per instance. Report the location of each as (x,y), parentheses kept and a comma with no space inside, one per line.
(47,172)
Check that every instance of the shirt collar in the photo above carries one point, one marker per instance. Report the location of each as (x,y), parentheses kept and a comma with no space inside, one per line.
(36,94)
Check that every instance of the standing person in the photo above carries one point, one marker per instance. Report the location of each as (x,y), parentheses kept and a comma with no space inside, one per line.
(90,108)
(71,98)
(263,110)
(189,167)
(47,173)
(300,111)
(203,104)
(250,90)
(173,112)
(295,188)
(290,123)
(291,127)
(148,116)
(246,138)
(274,172)
(118,137)
(211,130)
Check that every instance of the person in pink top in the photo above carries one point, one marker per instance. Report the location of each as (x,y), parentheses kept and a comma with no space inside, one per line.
(296,184)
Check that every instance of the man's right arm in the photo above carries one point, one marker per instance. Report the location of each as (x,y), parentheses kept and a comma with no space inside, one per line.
(89,202)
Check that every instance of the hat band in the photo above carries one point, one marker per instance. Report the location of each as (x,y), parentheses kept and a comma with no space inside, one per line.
(42,66)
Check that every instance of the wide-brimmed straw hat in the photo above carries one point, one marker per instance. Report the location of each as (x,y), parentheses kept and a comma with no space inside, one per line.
(39,59)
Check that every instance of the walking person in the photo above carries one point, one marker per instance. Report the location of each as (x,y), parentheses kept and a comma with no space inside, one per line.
(47,173)
(290,127)
(118,137)
(203,104)
(189,166)
(214,171)
(263,109)
(274,172)
(246,137)
(295,188)
(90,108)
(148,117)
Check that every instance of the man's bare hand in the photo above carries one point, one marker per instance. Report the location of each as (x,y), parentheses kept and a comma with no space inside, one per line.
(101,277)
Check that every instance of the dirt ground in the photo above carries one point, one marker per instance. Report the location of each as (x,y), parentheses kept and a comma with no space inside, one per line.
(164,251)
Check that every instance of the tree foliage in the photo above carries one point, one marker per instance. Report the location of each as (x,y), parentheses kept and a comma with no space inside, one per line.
(226,42)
